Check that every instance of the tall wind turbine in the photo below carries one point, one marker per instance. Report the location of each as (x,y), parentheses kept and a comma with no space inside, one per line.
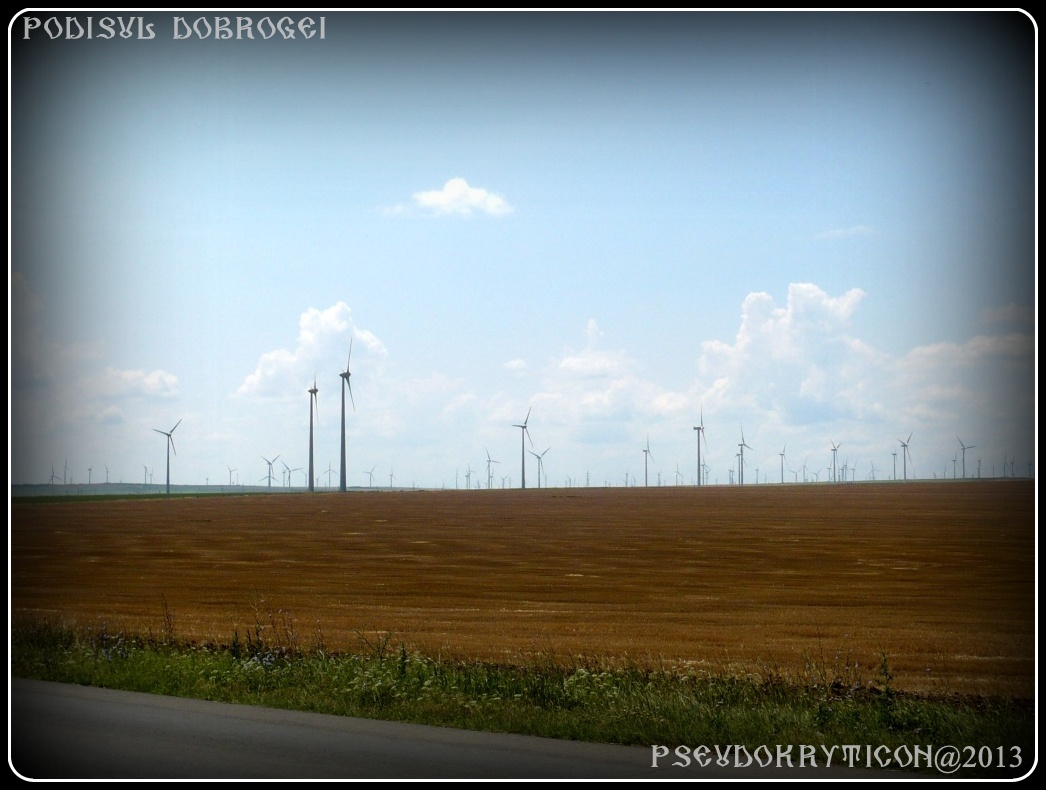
(170,445)
(741,464)
(646,457)
(905,455)
(964,447)
(370,476)
(835,448)
(313,402)
(541,464)
(700,428)
(524,434)
(345,383)
(782,454)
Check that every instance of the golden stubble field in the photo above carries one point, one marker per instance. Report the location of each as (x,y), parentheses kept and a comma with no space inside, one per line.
(940,576)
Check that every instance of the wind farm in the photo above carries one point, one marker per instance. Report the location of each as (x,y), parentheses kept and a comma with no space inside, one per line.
(640,231)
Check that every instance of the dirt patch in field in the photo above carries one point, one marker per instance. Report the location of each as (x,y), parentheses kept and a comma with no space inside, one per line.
(939,576)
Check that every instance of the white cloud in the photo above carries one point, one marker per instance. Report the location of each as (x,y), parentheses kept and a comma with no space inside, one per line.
(323,341)
(457,197)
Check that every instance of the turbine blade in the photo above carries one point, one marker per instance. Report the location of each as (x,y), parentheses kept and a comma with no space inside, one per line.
(176,425)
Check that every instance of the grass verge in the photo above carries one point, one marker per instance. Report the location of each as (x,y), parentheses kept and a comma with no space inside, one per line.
(587,699)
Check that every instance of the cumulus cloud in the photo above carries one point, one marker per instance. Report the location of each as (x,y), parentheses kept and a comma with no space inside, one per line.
(457,197)
(842,233)
(323,341)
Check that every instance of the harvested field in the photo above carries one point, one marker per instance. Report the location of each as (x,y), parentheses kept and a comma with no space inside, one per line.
(938,575)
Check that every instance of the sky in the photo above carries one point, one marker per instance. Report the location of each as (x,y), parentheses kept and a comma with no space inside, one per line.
(797,229)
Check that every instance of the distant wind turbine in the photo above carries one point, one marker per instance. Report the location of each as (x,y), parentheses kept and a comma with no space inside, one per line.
(646,457)
(964,447)
(700,428)
(270,463)
(490,475)
(231,470)
(741,464)
(524,434)
(905,454)
(345,383)
(170,446)
(835,448)
(540,463)
(370,475)
(313,402)
(782,454)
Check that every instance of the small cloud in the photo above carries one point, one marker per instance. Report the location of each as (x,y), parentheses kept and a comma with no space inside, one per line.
(842,233)
(457,197)
(515,366)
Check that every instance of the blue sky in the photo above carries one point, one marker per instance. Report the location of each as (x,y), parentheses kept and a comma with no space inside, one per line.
(815,228)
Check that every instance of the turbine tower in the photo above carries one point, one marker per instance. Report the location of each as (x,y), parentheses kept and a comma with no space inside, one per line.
(964,447)
(646,457)
(782,454)
(345,383)
(741,463)
(524,434)
(700,428)
(270,463)
(312,402)
(905,455)
(490,475)
(170,445)
(835,448)
(541,464)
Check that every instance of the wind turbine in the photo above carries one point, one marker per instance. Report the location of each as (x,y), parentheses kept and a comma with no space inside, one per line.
(741,464)
(782,454)
(541,465)
(270,463)
(89,475)
(312,402)
(835,448)
(700,428)
(490,476)
(523,449)
(964,447)
(905,454)
(646,457)
(170,445)
(231,470)
(107,475)
(345,383)
(53,475)
(370,475)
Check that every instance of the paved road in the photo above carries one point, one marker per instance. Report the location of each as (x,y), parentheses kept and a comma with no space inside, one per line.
(76,732)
